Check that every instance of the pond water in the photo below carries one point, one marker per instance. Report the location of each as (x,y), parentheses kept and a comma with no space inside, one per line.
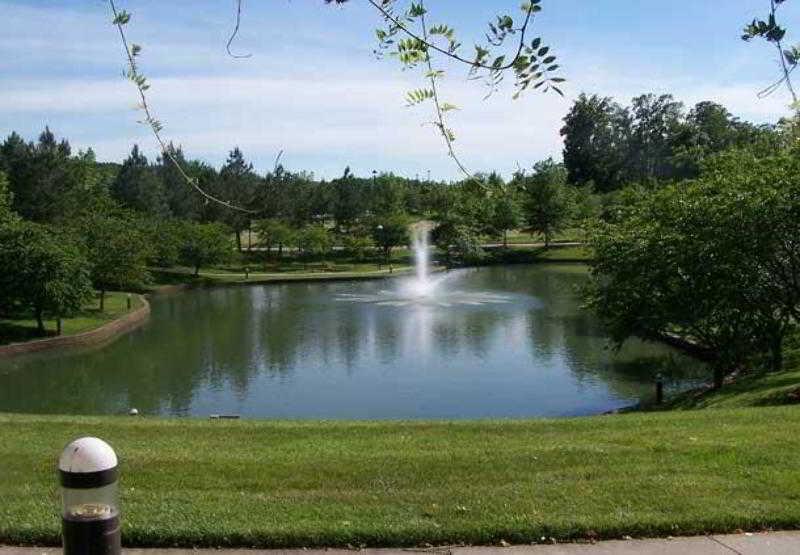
(499,342)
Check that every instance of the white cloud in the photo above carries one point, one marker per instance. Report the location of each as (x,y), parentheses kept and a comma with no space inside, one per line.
(324,111)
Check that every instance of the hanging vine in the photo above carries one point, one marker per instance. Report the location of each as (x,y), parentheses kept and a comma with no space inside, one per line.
(532,64)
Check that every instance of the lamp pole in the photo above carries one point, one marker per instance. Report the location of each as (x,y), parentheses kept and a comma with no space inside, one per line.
(380,237)
(88,471)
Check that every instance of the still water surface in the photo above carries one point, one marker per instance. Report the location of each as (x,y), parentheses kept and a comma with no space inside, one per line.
(327,350)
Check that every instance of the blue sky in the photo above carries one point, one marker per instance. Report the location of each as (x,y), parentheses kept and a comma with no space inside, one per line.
(313,89)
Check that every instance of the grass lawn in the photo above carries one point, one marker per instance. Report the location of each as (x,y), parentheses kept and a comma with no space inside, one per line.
(780,388)
(568,235)
(531,255)
(24,328)
(282,484)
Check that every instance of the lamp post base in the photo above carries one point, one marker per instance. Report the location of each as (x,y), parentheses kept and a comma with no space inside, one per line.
(92,537)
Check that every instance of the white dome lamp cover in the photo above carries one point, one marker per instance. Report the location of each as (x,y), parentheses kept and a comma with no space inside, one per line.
(88,463)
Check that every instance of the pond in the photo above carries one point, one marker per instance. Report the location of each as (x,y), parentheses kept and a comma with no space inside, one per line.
(499,342)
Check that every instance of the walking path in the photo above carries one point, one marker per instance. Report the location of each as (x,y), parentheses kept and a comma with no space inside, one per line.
(773,543)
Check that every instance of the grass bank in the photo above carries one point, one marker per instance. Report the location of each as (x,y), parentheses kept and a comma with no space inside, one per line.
(756,389)
(14,330)
(780,388)
(294,484)
(253,268)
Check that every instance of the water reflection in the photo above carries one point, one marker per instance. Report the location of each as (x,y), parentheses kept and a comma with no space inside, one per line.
(295,351)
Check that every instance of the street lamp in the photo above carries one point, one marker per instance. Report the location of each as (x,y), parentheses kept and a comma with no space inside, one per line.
(88,472)
(380,236)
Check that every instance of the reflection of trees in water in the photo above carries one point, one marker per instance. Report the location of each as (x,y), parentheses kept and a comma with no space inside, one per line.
(227,338)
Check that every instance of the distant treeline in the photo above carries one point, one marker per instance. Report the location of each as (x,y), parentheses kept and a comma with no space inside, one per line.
(69,223)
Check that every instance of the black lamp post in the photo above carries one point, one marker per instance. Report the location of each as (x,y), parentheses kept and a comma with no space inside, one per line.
(88,471)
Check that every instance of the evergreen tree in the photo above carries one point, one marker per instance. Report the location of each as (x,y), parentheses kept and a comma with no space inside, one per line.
(138,186)
(181,197)
(239,185)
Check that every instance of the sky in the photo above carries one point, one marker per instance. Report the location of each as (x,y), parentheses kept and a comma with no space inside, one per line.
(313,88)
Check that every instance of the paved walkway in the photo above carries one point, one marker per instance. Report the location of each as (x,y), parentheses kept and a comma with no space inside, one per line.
(774,543)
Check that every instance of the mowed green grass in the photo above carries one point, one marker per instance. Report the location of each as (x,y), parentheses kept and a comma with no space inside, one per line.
(24,328)
(295,484)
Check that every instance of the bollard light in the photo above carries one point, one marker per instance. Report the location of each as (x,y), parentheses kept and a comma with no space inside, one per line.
(90,509)
(659,388)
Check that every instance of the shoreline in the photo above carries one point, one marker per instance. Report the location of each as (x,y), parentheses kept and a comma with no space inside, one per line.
(107,332)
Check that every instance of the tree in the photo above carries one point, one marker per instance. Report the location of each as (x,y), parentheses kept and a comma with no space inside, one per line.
(6,215)
(389,232)
(506,214)
(43,272)
(273,233)
(656,122)
(138,186)
(238,185)
(204,245)
(357,245)
(348,200)
(164,240)
(313,240)
(182,200)
(596,133)
(547,202)
(715,261)
(457,241)
(42,175)
(118,252)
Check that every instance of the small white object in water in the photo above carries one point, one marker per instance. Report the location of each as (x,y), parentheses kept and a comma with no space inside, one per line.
(133,412)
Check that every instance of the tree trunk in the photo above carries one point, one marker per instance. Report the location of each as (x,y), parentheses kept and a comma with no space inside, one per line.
(239,240)
(197,270)
(505,238)
(719,378)
(249,238)
(102,300)
(58,326)
(280,250)
(40,322)
(777,353)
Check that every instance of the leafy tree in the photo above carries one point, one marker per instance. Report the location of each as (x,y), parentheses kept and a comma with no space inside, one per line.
(547,203)
(273,233)
(357,245)
(118,251)
(656,122)
(204,244)
(6,214)
(348,200)
(387,195)
(712,260)
(506,214)
(164,240)
(138,186)
(457,241)
(313,240)
(389,232)
(596,133)
(43,272)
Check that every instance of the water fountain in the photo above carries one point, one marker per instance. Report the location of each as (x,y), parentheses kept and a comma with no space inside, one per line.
(425,287)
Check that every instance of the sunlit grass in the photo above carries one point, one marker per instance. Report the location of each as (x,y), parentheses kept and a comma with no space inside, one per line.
(281,484)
